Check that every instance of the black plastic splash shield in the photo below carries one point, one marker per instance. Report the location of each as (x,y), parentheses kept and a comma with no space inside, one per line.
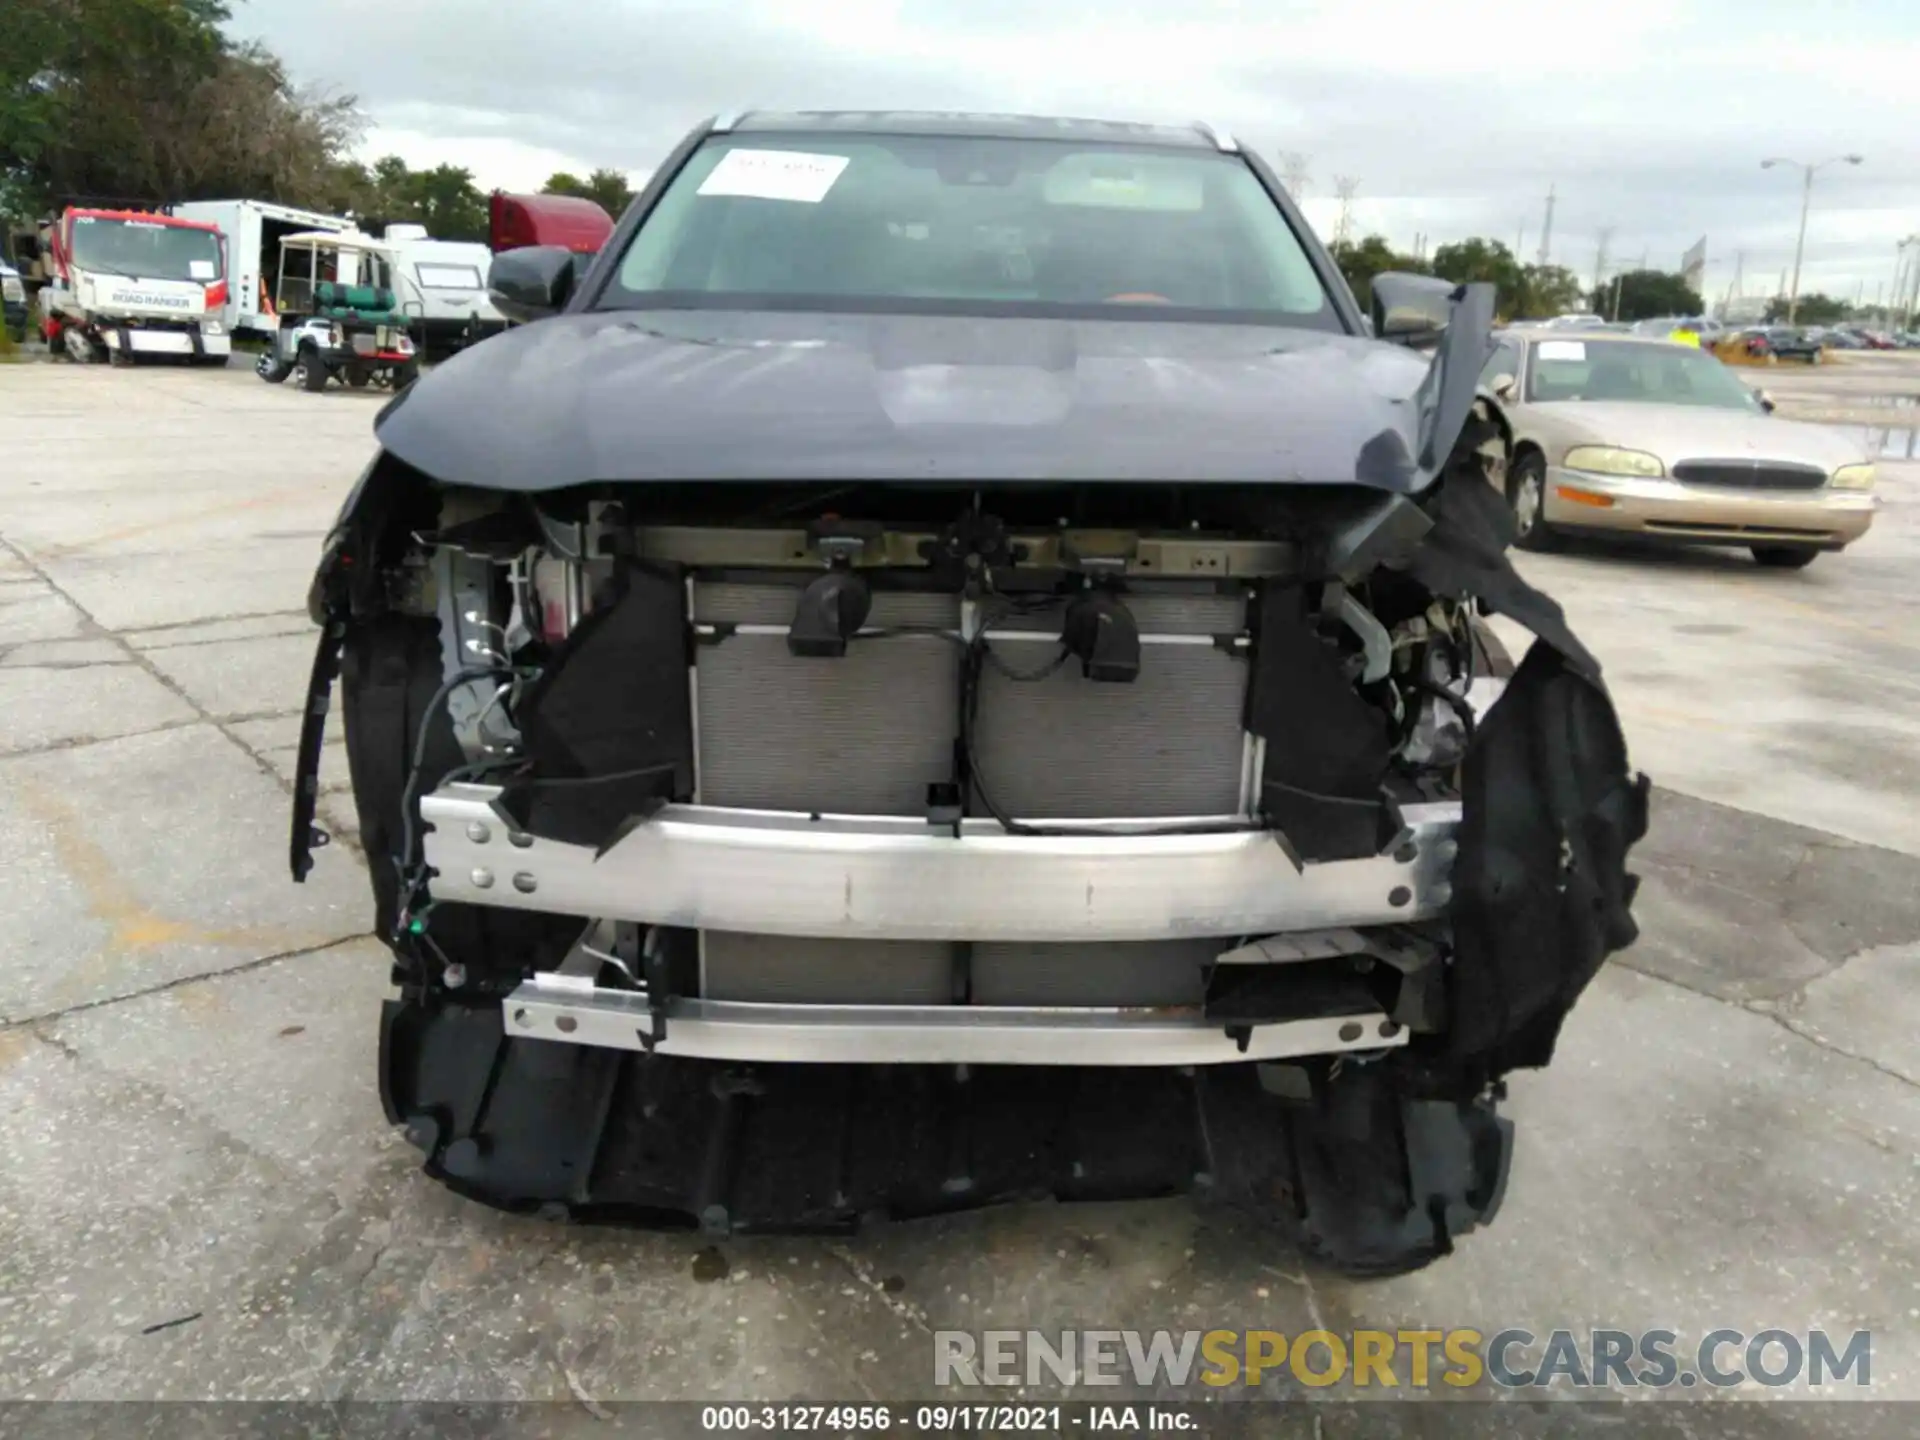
(1369,1181)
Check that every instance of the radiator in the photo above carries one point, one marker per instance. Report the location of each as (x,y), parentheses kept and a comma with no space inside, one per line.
(869,732)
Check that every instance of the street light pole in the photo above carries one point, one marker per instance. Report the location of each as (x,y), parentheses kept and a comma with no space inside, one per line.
(1806,202)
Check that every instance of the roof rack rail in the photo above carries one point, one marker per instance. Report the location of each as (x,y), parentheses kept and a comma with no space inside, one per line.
(1221,138)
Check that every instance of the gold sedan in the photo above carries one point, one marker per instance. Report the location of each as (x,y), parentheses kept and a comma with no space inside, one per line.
(1644,437)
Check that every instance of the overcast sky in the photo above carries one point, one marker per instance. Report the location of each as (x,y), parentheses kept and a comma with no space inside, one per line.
(1454,116)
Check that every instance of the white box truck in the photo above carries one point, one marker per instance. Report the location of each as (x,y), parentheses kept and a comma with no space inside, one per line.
(254,230)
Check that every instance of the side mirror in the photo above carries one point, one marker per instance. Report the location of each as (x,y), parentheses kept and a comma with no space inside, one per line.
(1503,386)
(531,283)
(1411,309)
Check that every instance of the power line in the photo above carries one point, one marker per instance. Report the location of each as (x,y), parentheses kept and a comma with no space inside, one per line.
(1345,186)
(1293,173)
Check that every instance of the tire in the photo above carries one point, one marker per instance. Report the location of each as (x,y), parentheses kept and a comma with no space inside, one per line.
(1784,557)
(310,372)
(357,376)
(271,368)
(79,348)
(1527,500)
(405,375)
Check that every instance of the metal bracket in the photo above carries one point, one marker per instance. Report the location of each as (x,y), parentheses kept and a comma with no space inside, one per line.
(464,586)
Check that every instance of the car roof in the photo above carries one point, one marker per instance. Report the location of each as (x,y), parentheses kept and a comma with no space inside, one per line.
(974,126)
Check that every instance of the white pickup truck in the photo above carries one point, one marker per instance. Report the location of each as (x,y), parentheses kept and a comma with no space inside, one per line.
(122,284)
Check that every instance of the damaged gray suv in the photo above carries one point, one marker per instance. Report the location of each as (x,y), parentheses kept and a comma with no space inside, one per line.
(945,665)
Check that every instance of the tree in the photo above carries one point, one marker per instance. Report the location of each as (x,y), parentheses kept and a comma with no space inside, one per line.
(606,188)
(1547,290)
(1815,309)
(1483,261)
(149,101)
(1647,295)
(445,199)
(1361,261)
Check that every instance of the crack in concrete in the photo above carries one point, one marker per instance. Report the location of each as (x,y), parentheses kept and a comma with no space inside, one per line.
(863,1272)
(1767,1010)
(166,681)
(60,665)
(140,630)
(75,742)
(1814,1037)
(27,1022)
(227,640)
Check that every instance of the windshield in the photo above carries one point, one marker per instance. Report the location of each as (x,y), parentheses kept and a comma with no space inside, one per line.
(1623,370)
(145,250)
(971,226)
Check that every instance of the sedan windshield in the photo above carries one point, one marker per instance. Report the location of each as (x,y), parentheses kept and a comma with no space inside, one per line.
(971,226)
(1624,370)
(145,250)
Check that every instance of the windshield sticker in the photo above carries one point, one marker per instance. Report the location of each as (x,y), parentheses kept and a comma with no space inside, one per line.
(200,269)
(1561,350)
(774,175)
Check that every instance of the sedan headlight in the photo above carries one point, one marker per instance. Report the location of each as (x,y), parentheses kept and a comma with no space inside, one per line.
(1853,477)
(1605,460)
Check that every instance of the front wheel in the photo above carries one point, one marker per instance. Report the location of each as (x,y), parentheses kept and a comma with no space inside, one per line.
(310,371)
(271,368)
(1784,557)
(402,376)
(1527,495)
(79,346)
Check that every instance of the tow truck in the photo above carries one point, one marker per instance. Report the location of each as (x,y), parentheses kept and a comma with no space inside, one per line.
(123,284)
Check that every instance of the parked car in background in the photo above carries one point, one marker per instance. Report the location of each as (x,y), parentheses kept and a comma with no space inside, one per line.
(1647,438)
(1786,342)
(1836,339)
(13,302)
(1745,346)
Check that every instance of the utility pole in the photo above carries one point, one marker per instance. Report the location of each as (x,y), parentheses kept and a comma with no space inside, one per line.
(1293,173)
(1806,203)
(1616,297)
(1600,257)
(1519,239)
(1906,283)
(1546,229)
(1733,286)
(1345,186)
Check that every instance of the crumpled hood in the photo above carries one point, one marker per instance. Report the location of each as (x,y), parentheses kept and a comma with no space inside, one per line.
(679,395)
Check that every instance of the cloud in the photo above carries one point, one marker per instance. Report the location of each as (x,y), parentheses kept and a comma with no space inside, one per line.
(1645,116)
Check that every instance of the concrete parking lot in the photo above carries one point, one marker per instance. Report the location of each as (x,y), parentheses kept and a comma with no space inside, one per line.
(1730,1136)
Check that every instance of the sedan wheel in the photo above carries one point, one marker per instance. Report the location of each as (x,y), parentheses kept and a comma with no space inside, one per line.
(1527,494)
(1784,557)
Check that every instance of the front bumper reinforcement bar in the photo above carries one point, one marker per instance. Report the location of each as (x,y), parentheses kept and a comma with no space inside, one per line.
(882,878)
(924,1034)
